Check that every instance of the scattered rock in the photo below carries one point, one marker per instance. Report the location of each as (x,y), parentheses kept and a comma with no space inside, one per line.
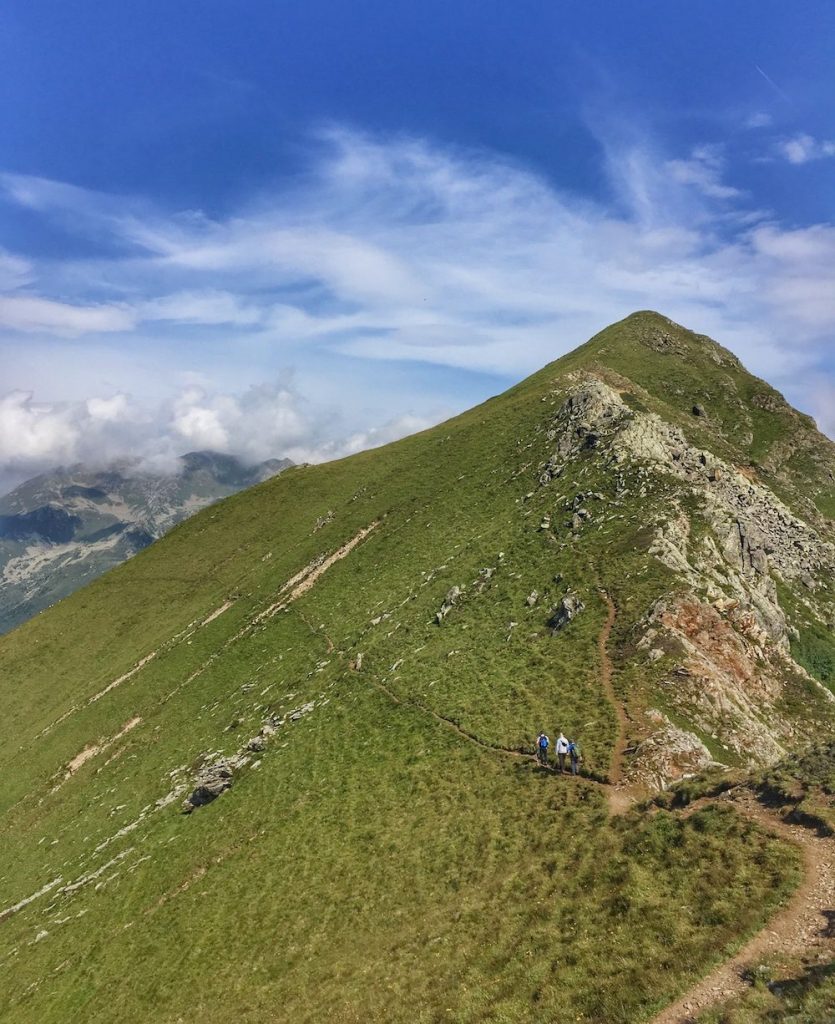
(323,521)
(532,598)
(699,410)
(210,783)
(449,603)
(305,709)
(553,468)
(569,608)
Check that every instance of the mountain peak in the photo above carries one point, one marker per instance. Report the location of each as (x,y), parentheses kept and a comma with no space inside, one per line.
(341,676)
(660,334)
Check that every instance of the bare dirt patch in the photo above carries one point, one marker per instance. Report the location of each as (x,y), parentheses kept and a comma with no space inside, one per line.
(307,577)
(93,749)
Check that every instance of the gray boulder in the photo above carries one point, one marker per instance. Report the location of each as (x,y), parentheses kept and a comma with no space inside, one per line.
(449,603)
(569,608)
(213,780)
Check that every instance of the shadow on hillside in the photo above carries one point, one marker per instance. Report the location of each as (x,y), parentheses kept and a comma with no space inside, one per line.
(794,989)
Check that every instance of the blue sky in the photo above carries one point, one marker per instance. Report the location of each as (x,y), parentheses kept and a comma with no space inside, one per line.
(282,228)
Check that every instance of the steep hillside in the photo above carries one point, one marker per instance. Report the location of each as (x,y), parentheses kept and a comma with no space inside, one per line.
(632,546)
(60,530)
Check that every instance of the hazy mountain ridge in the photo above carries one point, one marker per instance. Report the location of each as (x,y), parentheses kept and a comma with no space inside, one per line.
(342,671)
(61,529)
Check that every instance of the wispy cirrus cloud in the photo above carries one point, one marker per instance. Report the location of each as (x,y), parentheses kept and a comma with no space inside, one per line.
(703,170)
(398,250)
(34,313)
(759,119)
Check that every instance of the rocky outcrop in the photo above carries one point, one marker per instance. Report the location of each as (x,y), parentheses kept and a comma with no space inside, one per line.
(726,680)
(755,528)
(211,781)
(451,599)
(219,771)
(669,752)
(752,530)
(569,608)
(729,540)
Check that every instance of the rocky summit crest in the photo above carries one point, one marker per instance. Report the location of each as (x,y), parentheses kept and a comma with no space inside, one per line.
(729,542)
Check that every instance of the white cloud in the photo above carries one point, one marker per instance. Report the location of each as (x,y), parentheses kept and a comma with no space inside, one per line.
(14,271)
(388,251)
(109,410)
(271,420)
(799,266)
(822,406)
(31,313)
(31,433)
(703,170)
(201,308)
(759,119)
(803,148)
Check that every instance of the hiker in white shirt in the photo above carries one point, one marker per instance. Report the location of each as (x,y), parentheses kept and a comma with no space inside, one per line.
(561,749)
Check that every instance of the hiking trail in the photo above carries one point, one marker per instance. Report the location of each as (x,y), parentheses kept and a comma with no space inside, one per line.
(802,925)
(619,797)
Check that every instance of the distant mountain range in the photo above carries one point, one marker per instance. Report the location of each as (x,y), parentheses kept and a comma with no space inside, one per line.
(61,529)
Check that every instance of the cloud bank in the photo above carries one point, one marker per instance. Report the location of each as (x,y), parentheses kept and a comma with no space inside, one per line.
(387,252)
(255,425)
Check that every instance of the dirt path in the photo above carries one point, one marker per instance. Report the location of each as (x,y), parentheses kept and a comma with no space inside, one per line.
(620,798)
(803,925)
(492,748)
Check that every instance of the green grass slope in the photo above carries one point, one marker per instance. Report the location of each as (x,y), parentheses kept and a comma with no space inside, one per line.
(387,856)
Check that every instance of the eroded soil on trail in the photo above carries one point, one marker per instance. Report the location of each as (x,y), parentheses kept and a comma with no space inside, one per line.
(618,796)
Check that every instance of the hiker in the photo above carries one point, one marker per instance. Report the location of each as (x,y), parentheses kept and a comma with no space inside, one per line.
(574,755)
(562,751)
(542,744)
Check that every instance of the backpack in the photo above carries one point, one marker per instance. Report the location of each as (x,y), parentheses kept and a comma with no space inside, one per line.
(543,742)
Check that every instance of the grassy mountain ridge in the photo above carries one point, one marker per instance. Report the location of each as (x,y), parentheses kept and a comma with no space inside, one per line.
(386,850)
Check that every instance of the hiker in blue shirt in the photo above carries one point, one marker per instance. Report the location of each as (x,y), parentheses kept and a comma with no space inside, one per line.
(574,754)
(542,744)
